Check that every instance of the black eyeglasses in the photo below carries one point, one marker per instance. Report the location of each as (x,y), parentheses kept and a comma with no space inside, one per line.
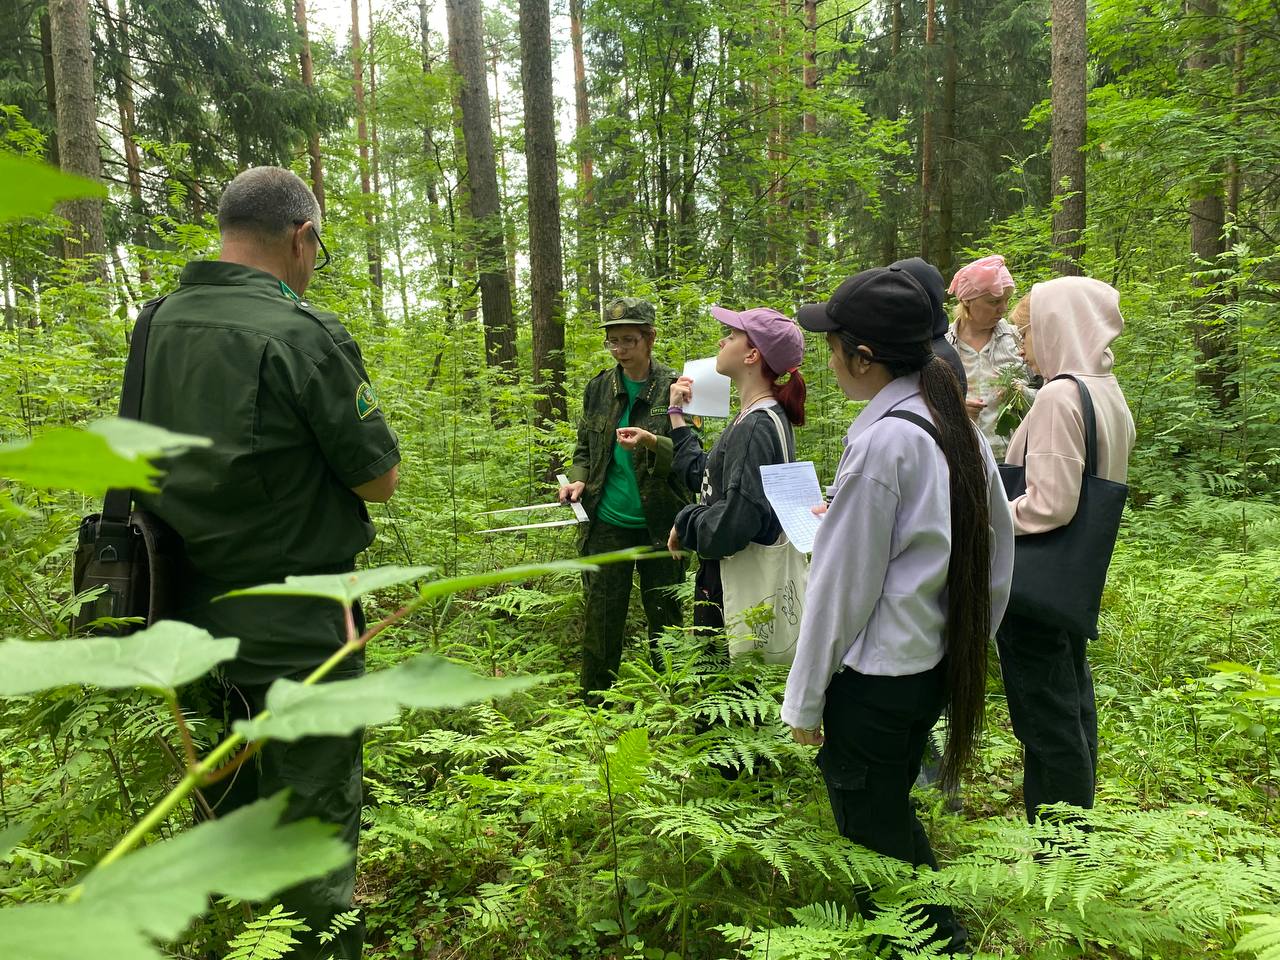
(323,259)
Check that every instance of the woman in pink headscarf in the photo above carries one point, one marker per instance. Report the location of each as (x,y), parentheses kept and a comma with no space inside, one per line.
(986,343)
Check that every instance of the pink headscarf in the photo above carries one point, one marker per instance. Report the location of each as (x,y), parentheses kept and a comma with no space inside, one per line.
(988,275)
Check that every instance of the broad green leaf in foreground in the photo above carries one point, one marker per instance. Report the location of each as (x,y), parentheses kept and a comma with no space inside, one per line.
(163,657)
(29,188)
(246,854)
(111,453)
(334,709)
(49,931)
(440,588)
(133,438)
(11,837)
(346,588)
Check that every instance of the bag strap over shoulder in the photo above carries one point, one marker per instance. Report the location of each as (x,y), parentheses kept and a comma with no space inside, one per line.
(782,435)
(117,503)
(918,420)
(1090,425)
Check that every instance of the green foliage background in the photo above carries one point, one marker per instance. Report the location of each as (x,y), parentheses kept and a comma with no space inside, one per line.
(533,826)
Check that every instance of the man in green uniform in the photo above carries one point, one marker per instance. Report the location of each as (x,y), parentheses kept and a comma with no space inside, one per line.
(299,444)
(631,497)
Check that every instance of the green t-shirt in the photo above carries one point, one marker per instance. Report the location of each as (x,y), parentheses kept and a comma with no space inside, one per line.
(620,501)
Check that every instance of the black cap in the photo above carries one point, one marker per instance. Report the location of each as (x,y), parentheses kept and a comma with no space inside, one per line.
(931,280)
(885,306)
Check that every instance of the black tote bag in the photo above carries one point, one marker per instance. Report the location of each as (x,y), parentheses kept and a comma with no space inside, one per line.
(1058,576)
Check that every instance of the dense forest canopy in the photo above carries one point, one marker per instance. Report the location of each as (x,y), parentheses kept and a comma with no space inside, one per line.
(490,175)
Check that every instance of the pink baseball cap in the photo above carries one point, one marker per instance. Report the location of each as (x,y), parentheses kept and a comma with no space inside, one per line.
(777,338)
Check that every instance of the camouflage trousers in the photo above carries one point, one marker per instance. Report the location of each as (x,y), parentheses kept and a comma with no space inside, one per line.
(608,597)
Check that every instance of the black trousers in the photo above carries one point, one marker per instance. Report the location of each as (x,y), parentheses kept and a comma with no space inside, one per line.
(608,598)
(1051,705)
(324,775)
(876,729)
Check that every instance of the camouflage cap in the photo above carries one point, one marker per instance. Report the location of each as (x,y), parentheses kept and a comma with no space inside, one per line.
(628,310)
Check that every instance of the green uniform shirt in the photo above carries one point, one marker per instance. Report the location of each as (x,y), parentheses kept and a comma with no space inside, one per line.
(604,405)
(281,389)
(620,502)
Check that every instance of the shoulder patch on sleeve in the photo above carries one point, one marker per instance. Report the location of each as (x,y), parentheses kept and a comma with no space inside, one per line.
(366,400)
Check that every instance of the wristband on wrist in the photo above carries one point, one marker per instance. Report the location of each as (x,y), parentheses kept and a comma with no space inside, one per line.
(673,410)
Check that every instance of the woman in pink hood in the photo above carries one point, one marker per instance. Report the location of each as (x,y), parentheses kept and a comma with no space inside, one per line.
(1070,327)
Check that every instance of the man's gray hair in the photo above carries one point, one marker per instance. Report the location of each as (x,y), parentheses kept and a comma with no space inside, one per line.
(267,201)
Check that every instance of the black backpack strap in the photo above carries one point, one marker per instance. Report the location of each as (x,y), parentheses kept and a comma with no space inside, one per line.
(118,502)
(918,420)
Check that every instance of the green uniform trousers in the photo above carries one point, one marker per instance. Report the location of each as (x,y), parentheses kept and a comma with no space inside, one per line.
(608,596)
(324,775)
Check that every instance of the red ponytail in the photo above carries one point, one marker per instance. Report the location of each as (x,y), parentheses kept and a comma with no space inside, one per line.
(790,395)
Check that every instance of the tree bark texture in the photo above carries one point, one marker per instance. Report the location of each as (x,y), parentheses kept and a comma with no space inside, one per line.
(308,80)
(1069,46)
(810,121)
(77,111)
(119,35)
(545,264)
(926,131)
(944,250)
(372,254)
(588,247)
(466,30)
(1214,340)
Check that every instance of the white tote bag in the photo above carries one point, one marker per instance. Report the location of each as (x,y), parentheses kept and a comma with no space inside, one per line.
(765,577)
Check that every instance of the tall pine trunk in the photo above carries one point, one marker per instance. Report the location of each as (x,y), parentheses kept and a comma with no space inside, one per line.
(1215,345)
(77,108)
(308,80)
(588,247)
(545,263)
(372,254)
(810,124)
(466,30)
(50,82)
(132,159)
(945,249)
(442,262)
(500,158)
(927,147)
(889,219)
(1069,45)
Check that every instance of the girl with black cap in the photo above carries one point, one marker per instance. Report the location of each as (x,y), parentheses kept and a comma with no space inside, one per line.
(909,580)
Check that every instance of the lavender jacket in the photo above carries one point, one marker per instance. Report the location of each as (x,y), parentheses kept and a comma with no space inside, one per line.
(876,600)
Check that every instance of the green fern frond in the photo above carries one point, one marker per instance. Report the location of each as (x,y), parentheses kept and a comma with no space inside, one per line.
(1263,936)
(267,937)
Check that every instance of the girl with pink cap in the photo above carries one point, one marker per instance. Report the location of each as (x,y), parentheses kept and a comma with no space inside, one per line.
(760,352)
(986,343)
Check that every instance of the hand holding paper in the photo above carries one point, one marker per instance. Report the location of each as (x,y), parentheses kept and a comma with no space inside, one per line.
(710,389)
(793,492)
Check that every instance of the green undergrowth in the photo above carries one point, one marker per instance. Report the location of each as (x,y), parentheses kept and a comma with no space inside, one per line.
(540,827)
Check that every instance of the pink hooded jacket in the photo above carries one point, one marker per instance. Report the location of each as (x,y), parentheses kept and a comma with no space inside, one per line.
(1073,323)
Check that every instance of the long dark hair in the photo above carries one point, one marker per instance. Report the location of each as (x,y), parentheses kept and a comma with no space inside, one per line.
(968,626)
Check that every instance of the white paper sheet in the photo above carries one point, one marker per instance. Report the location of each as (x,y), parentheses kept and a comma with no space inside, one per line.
(710,389)
(793,492)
